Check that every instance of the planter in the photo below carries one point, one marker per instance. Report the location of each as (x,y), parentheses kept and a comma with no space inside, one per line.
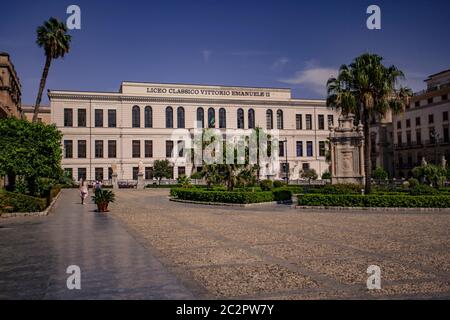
(102,207)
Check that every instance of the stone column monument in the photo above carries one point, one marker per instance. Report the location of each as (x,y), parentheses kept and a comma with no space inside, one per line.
(140,182)
(347,152)
(115,182)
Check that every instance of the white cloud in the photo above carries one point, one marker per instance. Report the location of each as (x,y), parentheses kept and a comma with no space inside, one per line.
(280,63)
(206,55)
(313,78)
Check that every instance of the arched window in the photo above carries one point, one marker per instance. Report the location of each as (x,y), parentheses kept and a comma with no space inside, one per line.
(211,118)
(222,118)
(240,118)
(280,119)
(180,117)
(251,119)
(269,119)
(169,117)
(200,118)
(136,117)
(148,117)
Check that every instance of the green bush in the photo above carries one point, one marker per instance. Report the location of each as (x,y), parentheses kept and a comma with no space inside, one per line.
(326,175)
(401,201)
(423,189)
(266,185)
(222,197)
(413,182)
(337,189)
(15,202)
(282,194)
(278,184)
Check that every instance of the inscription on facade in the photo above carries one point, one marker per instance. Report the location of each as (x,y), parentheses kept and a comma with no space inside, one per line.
(209,92)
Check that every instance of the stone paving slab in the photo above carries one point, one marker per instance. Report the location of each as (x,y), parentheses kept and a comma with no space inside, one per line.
(35,252)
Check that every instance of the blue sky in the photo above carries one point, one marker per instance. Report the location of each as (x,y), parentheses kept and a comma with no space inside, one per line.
(295,44)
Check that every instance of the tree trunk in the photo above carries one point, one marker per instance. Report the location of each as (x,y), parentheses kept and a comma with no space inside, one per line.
(367,160)
(48,61)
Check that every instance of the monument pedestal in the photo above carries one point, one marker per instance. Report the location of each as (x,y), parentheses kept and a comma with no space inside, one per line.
(347,152)
(140,181)
(115,182)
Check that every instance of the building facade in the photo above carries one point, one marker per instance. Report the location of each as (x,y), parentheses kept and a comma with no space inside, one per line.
(422,131)
(134,126)
(44,115)
(10,89)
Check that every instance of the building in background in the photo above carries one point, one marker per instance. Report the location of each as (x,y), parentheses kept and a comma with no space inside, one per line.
(10,89)
(134,126)
(44,115)
(422,131)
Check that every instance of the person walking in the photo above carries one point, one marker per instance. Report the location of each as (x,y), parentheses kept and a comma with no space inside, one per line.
(84,191)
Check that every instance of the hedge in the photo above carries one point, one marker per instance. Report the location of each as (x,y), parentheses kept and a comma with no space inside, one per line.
(16,202)
(384,201)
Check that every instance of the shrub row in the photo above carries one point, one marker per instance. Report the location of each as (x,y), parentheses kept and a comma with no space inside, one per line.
(384,201)
(241,197)
(16,202)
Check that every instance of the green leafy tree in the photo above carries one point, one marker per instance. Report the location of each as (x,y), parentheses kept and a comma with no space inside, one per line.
(430,174)
(29,150)
(162,169)
(309,174)
(369,90)
(380,174)
(53,38)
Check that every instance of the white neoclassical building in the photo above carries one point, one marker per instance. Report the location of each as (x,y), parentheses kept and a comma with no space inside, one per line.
(135,125)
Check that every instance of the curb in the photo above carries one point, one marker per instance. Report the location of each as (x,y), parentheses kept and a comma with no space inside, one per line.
(396,209)
(32,214)
(242,205)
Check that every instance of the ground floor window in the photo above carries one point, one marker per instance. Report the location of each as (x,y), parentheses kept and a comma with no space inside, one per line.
(82,174)
(110,172)
(135,173)
(148,173)
(181,171)
(99,174)
(305,166)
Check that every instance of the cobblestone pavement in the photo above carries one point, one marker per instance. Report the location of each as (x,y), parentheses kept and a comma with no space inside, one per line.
(277,252)
(36,251)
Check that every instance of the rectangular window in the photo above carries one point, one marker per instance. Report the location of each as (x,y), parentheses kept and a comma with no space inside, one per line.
(445,133)
(112,148)
(99,173)
(430,118)
(309,149)
(330,120)
(110,173)
(430,100)
(322,149)
(68,149)
(321,120)
(418,122)
(298,122)
(408,123)
(68,117)
(305,166)
(148,173)
(445,116)
(445,97)
(82,149)
(136,149)
(112,118)
(99,148)
(399,124)
(418,137)
(299,148)
(281,146)
(408,137)
(181,171)
(180,145)
(82,174)
(82,118)
(417,104)
(308,122)
(431,134)
(135,173)
(148,146)
(169,149)
(399,138)
(98,118)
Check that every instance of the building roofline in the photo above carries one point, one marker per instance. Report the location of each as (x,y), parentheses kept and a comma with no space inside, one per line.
(437,74)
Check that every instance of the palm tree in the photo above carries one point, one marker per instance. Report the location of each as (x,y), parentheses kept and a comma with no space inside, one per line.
(369,90)
(53,37)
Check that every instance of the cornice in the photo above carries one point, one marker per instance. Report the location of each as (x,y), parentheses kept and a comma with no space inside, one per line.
(177,101)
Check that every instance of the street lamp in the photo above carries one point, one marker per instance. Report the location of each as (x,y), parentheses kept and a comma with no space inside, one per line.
(286,163)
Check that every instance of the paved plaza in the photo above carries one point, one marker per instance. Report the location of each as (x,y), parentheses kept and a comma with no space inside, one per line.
(151,248)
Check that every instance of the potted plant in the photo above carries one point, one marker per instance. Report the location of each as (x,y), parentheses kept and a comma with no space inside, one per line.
(102,198)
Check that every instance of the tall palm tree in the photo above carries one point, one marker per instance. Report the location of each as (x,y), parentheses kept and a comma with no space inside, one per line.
(53,37)
(369,90)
